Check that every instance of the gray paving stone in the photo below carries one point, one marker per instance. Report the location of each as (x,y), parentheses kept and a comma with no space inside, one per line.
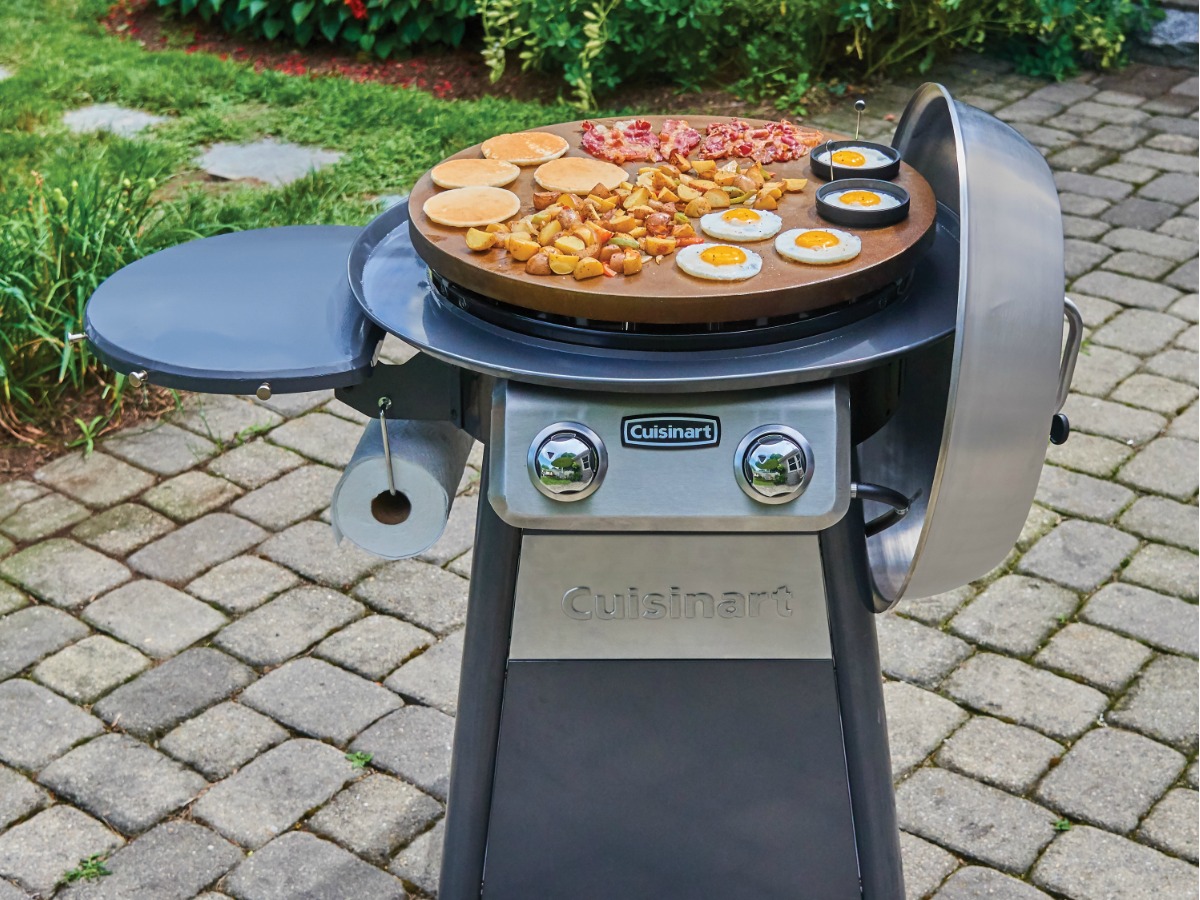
(1186,424)
(320,436)
(122,529)
(88,670)
(1117,137)
(1160,519)
(1165,466)
(176,690)
(432,677)
(309,548)
(11,599)
(297,495)
(97,479)
(254,464)
(290,405)
(414,743)
(1163,703)
(1178,365)
(1082,158)
(43,517)
(1119,98)
(1168,162)
(1079,205)
(122,781)
(1139,331)
(1103,417)
(1166,569)
(15,493)
(459,534)
(35,854)
(918,721)
(1089,864)
(272,793)
(374,646)
(268,160)
(185,553)
(1155,393)
(36,726)
(1003,755)
(222,739)
(1095,655)
(1087,229)
(975,882)
(1183,228)
(111,118)
(190,495)
(1064,92)
(1083,256)
(1093,455)
(1186,277)
(1155,619)
(19,798)
(242,583)
(915,653)
(1162,245)
(970,818)
(320,700)
(421,593)
(172,862)
(1189,338)
(925,866)
(420,863)
(288,625)
(226,419)
(64,573)
(1172,187)
(1091,185)
(158,620)
(1125,290)
(301,865)
(461,566)
(30,634)
(1134,212)
(1111,778)
(1015,614)
(1172,824)
(1080,555)
(375,817)
(1010,689)
(935,610)
(161,448)
(9,891)
(1100,369)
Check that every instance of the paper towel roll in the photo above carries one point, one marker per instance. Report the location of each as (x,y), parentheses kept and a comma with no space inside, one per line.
(427,464)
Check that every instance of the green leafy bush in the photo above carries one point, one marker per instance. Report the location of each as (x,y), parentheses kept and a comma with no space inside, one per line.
(380,27)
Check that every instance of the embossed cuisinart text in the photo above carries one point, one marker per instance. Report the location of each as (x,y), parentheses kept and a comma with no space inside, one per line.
(582,603)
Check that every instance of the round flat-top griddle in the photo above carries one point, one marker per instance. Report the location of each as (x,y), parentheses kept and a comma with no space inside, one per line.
(662,293)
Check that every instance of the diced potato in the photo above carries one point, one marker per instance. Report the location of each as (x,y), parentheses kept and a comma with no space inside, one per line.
(777,193)
(584,233)
(659,246)
(587,268)
(704,167)
(679,161)
(549,232)
(497,228)
(625,186)
(607,204)
(622,224)
(766,201)
(537,220)
(698,207)
(666,195)
(754,173)
(568,201)
(480,240)
(522,249)
(703,184)
(523,225)
(729,166)
(563,263)
(632,264)
(542,199)
(538,264)
(640,212)
(682,231)
(724,178)
(660,181)
(638,232)
(717,199)
(791,185)
(601,191)
(687,193)
(569,244)
(636,198)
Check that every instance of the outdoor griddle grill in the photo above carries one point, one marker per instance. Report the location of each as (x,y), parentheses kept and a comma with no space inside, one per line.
(670,682)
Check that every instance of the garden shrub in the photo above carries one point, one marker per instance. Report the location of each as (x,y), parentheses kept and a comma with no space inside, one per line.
(381,27)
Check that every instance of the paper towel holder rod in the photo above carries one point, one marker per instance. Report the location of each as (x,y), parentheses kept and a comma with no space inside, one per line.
(385,404)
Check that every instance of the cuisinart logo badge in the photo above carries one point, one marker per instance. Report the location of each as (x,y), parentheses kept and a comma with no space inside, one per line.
(582,603)
(670,431)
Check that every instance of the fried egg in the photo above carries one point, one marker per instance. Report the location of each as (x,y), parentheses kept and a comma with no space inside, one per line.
(860,199)
(855,157)
(818,246)
(719,262)
(741,224)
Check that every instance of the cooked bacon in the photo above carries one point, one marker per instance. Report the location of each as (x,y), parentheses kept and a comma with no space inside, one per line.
(630,141)
(775,142)
(677,136)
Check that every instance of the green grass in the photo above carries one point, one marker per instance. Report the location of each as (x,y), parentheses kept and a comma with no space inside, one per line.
(52,256)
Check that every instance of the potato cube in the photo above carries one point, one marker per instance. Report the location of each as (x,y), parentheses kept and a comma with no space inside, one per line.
(568,244)
(724,179)
(698,207)
(636,198)
(538,264)
(601,191)
(522,248)
(660,246)
(622,224)
(639,232)
(563,263)
(704,167)
(480,240)
(682,231)
(717,199)
(549,232)
(766,201)
(542,199)
(791,185)
(703,184)
(687,193)
(666,195)
(586,268)
(632,264)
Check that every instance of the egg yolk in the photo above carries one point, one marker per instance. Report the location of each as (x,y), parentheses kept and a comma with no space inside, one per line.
(740,216)
(814,239)
(849,158)
(859,198)
(721,255)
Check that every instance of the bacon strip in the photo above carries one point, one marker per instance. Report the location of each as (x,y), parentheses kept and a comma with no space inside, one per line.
(630,141)
(774,142)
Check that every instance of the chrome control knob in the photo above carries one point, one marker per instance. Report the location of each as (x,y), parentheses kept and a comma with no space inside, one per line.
(567,461)
(773,464)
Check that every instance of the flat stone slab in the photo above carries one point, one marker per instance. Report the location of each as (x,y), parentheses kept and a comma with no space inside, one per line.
(301,865)
(110,117)
(32,633)
(1089,864)
(421,861)
(182,555)
(975,882)
(122,529)
(419,592)
(926,865)
(1007,756)
(918,721)
(432,677)
(274,792)
(288,625)
(374,646)
(270,161)
(242,583)
(19,797)
(35,854)
(222,739)
(413,743)
(376,816)
(122,781)
(91,668)
(63,572)
(97,479)
(1161,621)
(37,725)
(158,620)
(1163,703)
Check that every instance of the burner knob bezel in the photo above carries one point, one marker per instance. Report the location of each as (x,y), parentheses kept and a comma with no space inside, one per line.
(570,434)
(743,466)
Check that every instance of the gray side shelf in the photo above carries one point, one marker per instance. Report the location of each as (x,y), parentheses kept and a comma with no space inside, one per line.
(228,313)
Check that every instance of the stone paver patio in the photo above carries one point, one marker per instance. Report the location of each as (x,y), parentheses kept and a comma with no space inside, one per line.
(188,658)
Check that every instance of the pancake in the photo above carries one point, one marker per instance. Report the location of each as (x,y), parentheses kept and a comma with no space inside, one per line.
(526,148)
(457,173)
(578,175)
(470,207)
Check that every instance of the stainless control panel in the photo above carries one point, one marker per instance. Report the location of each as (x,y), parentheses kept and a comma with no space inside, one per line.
(746,461)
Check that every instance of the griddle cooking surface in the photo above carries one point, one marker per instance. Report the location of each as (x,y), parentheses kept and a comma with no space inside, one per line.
(664,294)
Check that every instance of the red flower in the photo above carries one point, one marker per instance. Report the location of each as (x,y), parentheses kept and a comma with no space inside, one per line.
(358,8)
